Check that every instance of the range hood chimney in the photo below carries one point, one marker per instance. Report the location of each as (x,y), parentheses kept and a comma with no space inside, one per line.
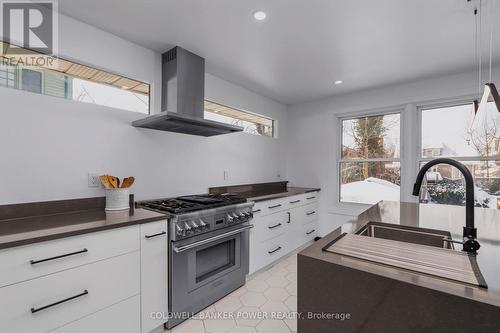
(183,98)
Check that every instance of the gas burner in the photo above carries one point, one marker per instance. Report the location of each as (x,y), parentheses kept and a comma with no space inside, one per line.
(191,203)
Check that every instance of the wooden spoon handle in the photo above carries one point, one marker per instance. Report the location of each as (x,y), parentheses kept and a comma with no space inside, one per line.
(113,181)
(127,182)
(105,181)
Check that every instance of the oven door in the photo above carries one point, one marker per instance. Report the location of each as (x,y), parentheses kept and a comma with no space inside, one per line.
(207,259)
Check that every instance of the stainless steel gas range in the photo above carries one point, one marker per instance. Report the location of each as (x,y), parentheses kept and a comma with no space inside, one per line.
(208,249)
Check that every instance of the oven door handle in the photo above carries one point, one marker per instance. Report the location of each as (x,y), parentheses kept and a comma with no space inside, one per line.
(211,239)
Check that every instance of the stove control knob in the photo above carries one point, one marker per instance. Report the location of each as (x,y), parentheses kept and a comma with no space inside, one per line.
(203,225)
(179,231)
(242,215)
(236,216)
(248,214)
(229,218)
(189,230)
(196,227)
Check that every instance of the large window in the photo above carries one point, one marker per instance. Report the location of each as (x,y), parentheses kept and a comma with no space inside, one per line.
(370,159)
(70,80)
(445,133)
(251,122)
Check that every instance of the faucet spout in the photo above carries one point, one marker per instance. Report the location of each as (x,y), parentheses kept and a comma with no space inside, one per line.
(469,233)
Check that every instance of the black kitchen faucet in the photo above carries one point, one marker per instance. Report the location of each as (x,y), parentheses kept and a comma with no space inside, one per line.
(470,243)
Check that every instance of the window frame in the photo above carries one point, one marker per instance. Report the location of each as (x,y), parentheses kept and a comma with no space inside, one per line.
(452,102)
(274,121)
(410,144)
(424,107)
(360,114)
(71,59)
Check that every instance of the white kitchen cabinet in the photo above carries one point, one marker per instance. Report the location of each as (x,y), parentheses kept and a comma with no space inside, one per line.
(107,281)
(270,226)
(264,253)
(307,232)
(280,226)
(48,302)
(154,275)
(30,261)
(119,318)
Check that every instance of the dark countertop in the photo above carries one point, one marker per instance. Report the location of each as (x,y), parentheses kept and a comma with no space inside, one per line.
(440,217)
(42,227)
(291,191)
(262,191)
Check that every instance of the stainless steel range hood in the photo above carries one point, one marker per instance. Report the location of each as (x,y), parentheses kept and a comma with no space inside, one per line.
(183,98)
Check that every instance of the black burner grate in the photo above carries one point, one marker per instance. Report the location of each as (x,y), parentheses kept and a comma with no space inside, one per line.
(191,203)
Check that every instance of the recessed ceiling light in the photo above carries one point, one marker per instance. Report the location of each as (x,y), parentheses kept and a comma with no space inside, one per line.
(339,82)
(259,15)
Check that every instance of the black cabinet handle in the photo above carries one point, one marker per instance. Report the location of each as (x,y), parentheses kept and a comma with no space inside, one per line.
(156,235)
(310,232)
(310,213)
(34,262)
(256,211)
(275,206)
(289,217)
(295,201)
(309,198)
(34,310)
(276,249)
(274,226)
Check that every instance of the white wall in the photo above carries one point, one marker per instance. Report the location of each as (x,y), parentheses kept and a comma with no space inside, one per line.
(48,145)
(315,143)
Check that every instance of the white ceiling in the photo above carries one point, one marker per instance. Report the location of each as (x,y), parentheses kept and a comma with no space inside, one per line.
(303,46)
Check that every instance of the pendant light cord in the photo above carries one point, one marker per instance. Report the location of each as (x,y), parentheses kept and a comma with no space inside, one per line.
(492,10)
(480,45)
(476,54)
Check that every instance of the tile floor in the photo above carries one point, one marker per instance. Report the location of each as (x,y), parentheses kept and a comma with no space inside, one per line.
(266,304)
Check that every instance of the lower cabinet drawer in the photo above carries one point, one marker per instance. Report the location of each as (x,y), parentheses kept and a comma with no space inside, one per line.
(271,226)
(51,301)
(308,232)
(266,252)
(119,318)
(31,261)
(270,206)
(310,197)
(306,214)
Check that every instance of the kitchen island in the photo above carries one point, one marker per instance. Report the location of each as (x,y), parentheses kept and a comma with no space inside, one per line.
(344,294)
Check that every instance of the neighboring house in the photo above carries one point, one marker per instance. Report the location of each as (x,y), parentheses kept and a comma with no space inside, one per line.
(42,82)
(433,176)
(437,152)
(444,170)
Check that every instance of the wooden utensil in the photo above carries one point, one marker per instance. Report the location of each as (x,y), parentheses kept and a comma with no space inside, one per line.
(127,182)
(113,181)
(105,182)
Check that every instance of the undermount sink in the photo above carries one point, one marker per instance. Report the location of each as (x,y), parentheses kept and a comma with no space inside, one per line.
(429,237)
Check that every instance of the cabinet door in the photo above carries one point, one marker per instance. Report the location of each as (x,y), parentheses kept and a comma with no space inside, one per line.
(154,284)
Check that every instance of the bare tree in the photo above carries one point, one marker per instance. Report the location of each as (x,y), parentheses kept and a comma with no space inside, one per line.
(484,138)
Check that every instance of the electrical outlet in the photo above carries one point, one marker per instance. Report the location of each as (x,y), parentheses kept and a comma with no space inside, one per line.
(226,175)
(94,180)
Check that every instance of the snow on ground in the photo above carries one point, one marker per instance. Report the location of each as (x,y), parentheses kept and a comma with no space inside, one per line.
(370,191)
(481,196)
